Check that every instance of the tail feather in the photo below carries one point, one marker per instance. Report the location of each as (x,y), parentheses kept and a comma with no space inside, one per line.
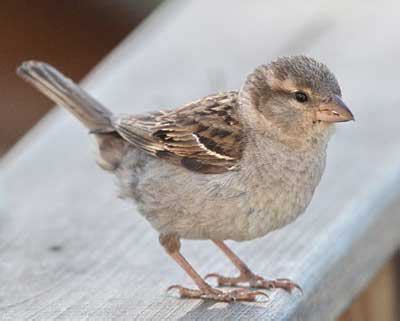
(63,91)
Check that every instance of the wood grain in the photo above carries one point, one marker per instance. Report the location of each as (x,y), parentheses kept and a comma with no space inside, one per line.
(379,301)
(70,250)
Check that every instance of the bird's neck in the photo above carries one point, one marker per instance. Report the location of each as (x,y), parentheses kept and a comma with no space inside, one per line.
(297,139)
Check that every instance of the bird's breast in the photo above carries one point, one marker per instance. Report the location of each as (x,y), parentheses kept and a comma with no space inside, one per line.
(280,184)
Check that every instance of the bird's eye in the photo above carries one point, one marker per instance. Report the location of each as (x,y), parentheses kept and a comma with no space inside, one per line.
(300,96)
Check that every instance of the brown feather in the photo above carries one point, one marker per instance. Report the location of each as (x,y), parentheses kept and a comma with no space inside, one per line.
(204,136)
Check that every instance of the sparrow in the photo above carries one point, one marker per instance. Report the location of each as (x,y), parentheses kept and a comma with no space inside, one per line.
(233,165)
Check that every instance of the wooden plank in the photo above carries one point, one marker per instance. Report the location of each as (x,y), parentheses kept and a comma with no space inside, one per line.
(70,250)
(379,302)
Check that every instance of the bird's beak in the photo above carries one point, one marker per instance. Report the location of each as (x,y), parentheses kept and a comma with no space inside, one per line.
(334,111)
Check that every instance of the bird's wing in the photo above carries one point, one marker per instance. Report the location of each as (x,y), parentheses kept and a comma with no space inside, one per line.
(204,136)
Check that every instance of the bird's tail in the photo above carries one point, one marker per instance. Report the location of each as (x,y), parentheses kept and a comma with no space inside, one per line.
(65,92)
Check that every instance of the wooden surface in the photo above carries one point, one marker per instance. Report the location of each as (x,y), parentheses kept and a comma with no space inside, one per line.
(380,301)
(69,249)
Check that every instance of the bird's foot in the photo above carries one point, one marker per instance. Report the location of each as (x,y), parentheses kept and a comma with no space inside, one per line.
(255,281)
(210,293)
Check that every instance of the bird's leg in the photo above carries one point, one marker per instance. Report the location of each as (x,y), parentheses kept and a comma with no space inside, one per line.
(247,276)
(171,244)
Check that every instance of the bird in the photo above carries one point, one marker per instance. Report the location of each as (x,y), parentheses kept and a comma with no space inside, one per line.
(233,165)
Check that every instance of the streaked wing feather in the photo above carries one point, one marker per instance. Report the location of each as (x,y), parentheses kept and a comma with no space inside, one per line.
(204,136)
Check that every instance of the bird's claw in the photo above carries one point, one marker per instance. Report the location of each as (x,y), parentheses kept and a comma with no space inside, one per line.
(225,280)
(285,284)
(255,281)
(218,295)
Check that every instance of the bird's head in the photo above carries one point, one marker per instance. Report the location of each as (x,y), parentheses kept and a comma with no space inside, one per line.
(297,94)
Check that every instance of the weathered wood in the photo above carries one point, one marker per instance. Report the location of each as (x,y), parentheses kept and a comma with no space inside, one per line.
(70,250)
(379,302)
